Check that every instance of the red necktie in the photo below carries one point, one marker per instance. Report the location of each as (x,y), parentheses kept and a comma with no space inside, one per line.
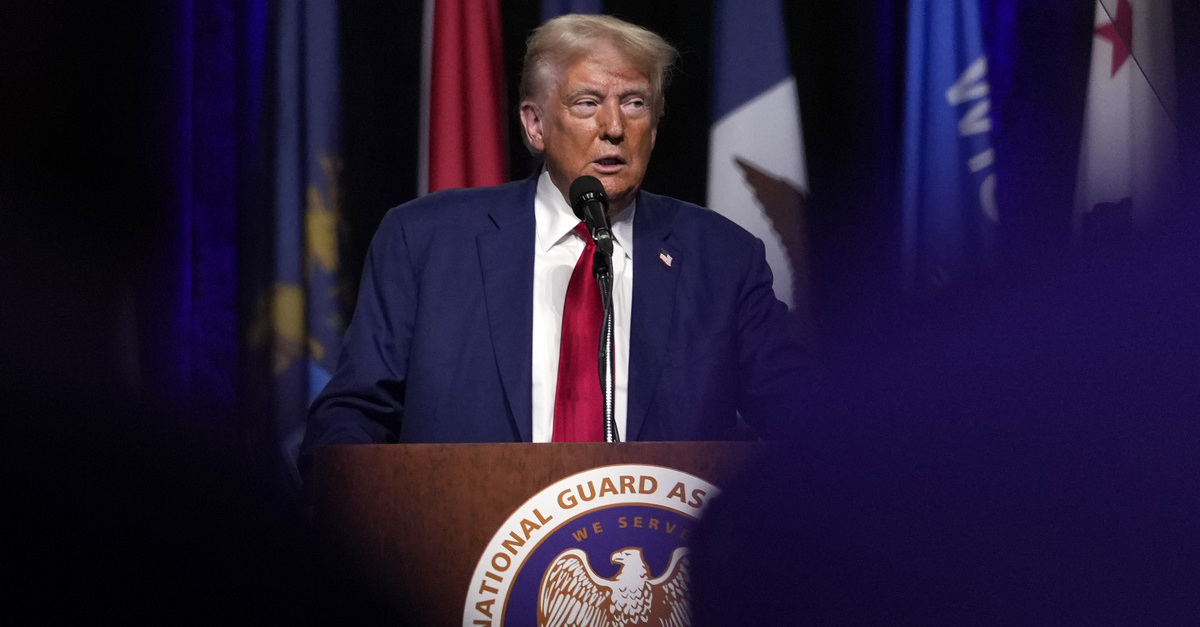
(578,404)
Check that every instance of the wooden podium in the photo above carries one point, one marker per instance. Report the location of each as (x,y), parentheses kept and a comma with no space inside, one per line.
(417,517)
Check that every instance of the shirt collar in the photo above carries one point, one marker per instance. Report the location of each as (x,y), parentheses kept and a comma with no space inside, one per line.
(555,220)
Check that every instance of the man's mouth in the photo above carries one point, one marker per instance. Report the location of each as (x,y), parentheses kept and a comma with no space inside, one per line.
(609,163)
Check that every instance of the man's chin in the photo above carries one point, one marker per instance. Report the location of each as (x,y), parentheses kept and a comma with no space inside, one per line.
(620,200)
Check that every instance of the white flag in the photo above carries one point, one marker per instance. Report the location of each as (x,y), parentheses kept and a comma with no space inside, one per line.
(756,173)
(1129,166)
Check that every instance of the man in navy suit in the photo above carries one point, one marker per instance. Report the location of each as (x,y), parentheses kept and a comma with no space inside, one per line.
(456,334)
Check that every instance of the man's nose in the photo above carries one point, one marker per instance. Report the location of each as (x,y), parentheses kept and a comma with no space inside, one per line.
(612,122)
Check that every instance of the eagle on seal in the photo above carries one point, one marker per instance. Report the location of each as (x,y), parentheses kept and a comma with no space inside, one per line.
(573,595)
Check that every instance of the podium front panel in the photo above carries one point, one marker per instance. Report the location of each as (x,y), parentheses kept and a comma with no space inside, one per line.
(416,518)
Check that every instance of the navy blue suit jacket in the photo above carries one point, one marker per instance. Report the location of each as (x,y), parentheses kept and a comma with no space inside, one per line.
(440,347)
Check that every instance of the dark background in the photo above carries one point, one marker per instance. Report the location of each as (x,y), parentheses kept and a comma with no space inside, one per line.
(88,133)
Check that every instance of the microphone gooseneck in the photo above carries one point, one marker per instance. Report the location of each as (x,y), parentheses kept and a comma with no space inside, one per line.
(590,204)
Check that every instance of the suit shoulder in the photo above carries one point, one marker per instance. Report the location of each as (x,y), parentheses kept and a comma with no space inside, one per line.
(696,222)
(458,206)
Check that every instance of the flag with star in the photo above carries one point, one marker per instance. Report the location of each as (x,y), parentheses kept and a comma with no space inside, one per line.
(949,174)
(1129,164)
(756,169)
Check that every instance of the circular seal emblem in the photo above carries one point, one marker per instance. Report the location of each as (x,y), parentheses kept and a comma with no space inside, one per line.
(604,546)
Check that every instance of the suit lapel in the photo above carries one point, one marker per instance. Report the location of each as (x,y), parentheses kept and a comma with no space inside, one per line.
(506,262)
(653,304)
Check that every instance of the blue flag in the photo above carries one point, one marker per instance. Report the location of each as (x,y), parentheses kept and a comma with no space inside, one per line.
(949,201)
(300,314)
(555,8)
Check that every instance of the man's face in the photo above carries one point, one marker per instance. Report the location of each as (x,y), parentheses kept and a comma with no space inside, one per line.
(598,119)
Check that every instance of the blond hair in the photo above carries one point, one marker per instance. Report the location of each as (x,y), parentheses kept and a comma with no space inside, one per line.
(560,41)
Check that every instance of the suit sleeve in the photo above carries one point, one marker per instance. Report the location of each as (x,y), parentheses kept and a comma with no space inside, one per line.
(768,353)
(364,401)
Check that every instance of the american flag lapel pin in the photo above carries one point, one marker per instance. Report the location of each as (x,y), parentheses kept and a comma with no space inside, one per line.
(665,257)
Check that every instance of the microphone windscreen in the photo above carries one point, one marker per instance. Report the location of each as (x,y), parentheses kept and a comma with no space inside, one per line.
(584,190)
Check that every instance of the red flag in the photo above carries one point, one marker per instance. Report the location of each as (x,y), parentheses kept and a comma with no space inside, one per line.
(463,102)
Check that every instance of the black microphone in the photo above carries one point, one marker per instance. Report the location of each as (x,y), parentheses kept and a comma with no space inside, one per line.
(590,204)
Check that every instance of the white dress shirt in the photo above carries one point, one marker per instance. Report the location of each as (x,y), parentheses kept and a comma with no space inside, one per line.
(557,250)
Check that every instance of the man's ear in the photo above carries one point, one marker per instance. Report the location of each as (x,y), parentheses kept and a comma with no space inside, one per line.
(531,122)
